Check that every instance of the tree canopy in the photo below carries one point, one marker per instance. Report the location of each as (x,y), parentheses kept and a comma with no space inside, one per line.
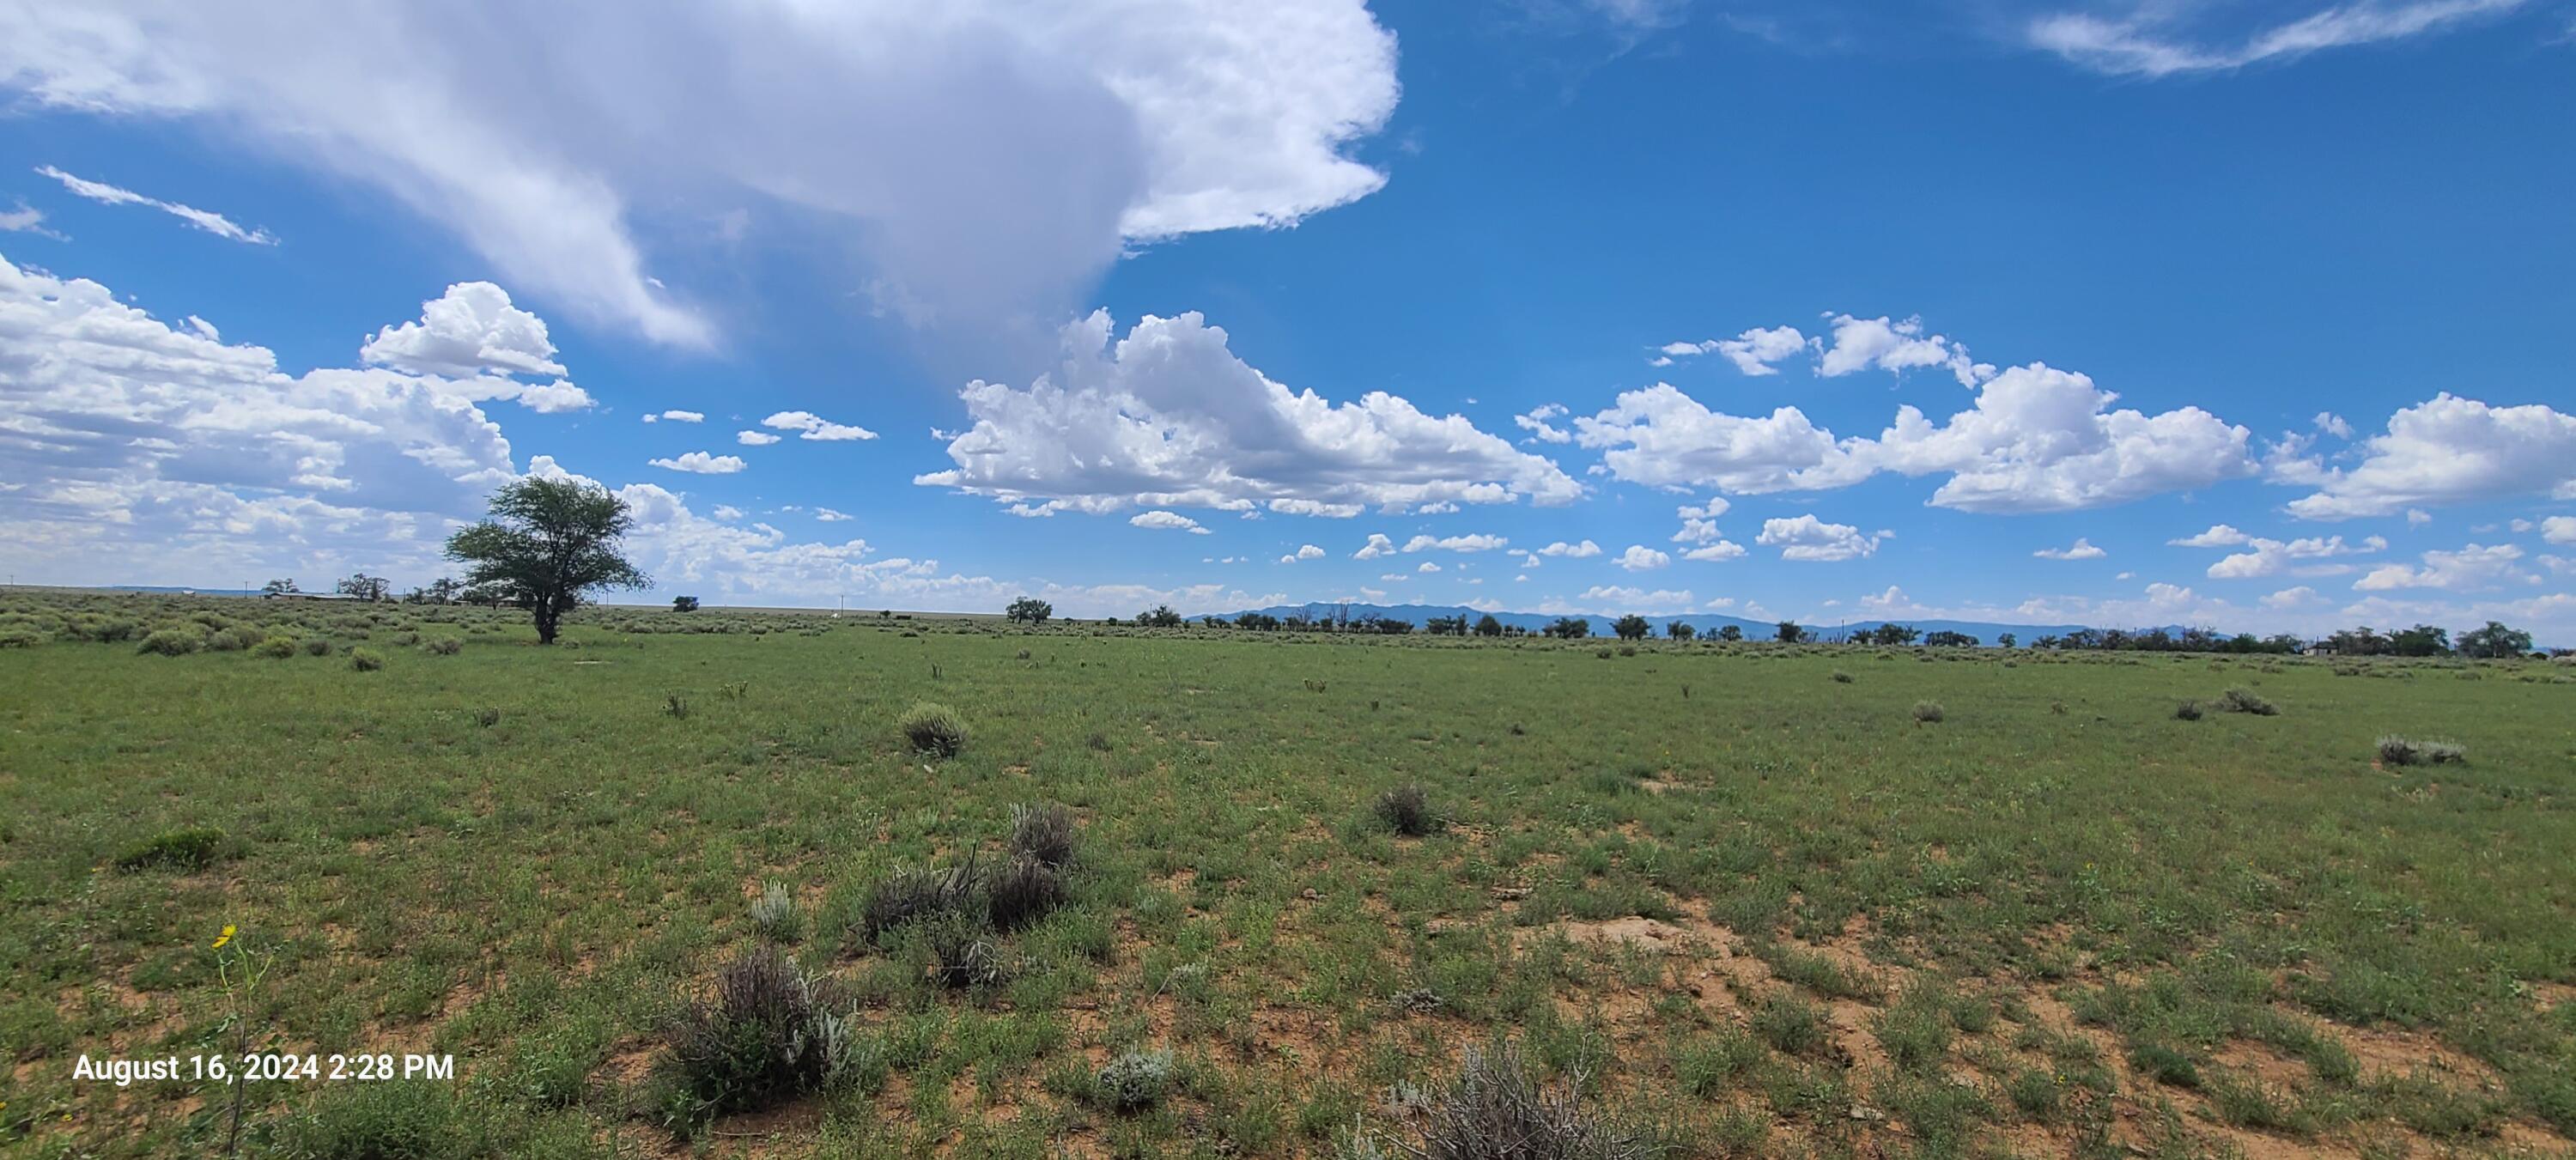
(1029,610)
(547,543)
(2494,642)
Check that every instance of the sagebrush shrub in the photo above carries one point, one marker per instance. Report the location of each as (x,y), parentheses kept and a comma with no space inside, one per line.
(315,646)
(2245,701)
(1406,809)
(274,648)
(1928,712)
(933,728)
(172,642)
(775,915)
(1136,1080)
(366,660)
(961,954)
(1495,1110)
(2396,750)
(445,646)
(2187,711)
(764,1035)
(1841,677)
(1045,833)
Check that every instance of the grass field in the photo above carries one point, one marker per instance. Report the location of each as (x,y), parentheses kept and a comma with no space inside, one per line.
(1746,893)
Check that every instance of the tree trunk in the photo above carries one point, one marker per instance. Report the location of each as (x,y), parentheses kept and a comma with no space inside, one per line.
(547,619)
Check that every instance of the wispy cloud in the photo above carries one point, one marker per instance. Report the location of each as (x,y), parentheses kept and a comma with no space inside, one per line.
(26,220)
(2146,43)
(207,220)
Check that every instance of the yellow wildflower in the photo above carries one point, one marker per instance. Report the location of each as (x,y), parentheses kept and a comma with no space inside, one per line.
(226,937)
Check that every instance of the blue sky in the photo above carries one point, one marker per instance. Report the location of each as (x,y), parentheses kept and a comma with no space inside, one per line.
(2238,314)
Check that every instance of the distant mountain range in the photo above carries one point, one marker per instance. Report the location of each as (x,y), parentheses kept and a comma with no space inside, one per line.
(1419,614)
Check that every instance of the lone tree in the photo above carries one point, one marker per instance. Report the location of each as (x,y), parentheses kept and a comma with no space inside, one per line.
(364,587)
(279,587)
(1632,627)
(2494,642)
(548,542)
(1486,625)
(1029,610)
(1681,630)
(1729,633)
(684,604)
(1790,633)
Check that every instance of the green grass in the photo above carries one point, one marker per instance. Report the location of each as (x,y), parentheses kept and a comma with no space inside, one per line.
(525,857)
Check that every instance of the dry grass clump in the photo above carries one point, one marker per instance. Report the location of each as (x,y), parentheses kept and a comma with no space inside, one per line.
(765,1034)
(1929,713)
(1044,833)
(913,895)
(1495,1110)
(2396,750)
(1406,809)
(2245,701)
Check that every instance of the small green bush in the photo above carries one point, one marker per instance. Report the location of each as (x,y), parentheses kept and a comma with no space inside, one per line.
(366,660)
(2187,711)
(315,646)
(274,648)
(2158,1063)
(185,848)
(1789,1024)
(172,642)
(391,1121)
(934,729)
(445,646)
(1928,712)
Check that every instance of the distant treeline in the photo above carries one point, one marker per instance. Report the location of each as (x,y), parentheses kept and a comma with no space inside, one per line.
(2424,640)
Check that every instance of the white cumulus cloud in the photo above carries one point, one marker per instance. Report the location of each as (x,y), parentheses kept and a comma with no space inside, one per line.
(2471,569)
(986,157)
(1811,539)
(1167,521)
(2441,451)
(1640,558)
(811,426)
(701,463)
(1168,416)
(2036,439)
(2081,549)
